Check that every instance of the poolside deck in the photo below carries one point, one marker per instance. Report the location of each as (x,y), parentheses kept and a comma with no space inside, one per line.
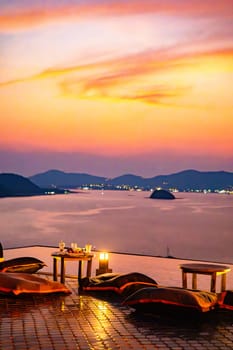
(82,321)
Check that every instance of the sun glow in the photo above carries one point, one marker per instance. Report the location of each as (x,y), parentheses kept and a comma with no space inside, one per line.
(146,79)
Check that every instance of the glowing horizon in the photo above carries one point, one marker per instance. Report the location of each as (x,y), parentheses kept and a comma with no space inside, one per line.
(118,78)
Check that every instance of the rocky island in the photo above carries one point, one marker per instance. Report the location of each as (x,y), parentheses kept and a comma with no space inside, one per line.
(162,194)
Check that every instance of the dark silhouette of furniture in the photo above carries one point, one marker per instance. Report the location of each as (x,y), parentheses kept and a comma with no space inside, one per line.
(204,269)
(63,257)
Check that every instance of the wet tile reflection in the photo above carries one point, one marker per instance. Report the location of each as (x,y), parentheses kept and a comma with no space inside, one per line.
(87,322)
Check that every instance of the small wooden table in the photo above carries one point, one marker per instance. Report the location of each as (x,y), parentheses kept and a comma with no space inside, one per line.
(204,269)
(65,256)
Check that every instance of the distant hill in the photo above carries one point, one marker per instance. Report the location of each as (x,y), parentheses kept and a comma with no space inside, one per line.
(57,178)
(183,181)
(195,180)
(13,185)
(128,179)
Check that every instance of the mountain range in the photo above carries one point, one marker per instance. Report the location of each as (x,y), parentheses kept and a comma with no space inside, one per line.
(58,182)
(186,180)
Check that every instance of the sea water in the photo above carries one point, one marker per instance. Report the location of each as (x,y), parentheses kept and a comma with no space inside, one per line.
(193,226)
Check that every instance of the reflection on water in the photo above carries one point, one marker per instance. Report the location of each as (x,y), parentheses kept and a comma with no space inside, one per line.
(196,226)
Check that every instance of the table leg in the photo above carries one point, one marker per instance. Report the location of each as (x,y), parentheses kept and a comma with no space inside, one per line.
(194,281)
(62,270)
(223,283)
(184,279)
(54,269)
(80,267)
(89,265)
(213,282)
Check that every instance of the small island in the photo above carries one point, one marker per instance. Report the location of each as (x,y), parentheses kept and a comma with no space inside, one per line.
(162,194)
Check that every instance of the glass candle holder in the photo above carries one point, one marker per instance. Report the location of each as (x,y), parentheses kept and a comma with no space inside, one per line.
(61,246)
(88,248)
(74,246)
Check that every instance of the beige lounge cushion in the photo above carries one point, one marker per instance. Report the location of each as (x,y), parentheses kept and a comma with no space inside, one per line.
(19,283)
(22,264)
(154,299)
(132,287)
(115,284)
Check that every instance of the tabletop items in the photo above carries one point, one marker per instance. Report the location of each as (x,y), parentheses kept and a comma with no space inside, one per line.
(74,248)
(62,246)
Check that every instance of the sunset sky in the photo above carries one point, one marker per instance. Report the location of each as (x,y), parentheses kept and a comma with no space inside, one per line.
(110,87)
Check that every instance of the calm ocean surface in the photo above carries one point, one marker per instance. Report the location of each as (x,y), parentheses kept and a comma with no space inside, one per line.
(195,226)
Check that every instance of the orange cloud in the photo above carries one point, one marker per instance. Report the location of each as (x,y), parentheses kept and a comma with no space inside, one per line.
(129,77)
(119,79)
(122,67)
(24,17)
(154,95)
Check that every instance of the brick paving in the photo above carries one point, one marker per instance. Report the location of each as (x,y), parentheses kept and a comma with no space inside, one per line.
(83,321)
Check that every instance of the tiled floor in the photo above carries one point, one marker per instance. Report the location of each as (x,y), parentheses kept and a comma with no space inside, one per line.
(82,321)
